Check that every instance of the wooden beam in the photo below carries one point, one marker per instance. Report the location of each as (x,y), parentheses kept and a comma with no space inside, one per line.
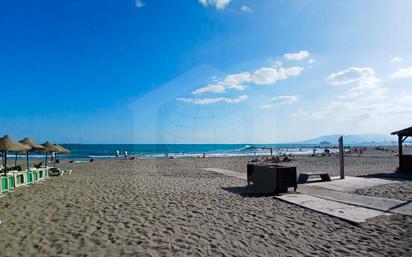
(403,140)
(341,161)
(400,145)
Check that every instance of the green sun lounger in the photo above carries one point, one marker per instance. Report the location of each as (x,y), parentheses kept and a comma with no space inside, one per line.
(35,175)
(19,178)
(41,174)
(4,185)
(29,177)
(11,182)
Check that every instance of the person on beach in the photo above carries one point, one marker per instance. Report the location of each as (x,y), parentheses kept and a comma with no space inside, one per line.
(125,155)
(117,154)
(53,157)
(327,151)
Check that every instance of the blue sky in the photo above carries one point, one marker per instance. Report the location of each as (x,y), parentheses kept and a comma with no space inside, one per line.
(258,71)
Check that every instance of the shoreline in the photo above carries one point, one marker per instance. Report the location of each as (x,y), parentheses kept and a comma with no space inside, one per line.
(391,151)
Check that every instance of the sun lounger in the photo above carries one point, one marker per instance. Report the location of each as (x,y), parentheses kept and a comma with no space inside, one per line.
(42,173)
(8,182)
(39,165)
(4,185)
(29,177)
(59,172)
(55,172)
(19,178)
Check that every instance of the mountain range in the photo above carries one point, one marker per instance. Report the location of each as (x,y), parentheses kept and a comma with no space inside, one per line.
(352,139)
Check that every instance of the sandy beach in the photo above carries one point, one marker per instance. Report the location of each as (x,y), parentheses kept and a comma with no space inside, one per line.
(171,207)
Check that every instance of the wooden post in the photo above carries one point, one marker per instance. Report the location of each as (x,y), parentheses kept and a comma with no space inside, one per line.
(5,165)
(341,161)
(27,161)
(400,144)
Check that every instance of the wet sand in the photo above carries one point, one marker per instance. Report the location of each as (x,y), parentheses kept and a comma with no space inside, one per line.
(174,208)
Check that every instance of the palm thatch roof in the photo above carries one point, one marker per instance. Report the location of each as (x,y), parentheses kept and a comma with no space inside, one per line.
(49,147)
(8,144)
(33,145)
(62,150)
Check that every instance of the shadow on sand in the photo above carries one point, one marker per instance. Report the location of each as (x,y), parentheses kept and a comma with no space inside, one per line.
(248,191)
(394,176)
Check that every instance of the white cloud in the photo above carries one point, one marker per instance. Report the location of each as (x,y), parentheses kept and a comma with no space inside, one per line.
(402,73)
(296,56)
(351,75)
(367,111)
(238,81)
(311,61)
(266,106)
(363,82)
(139,3)
(366,102)
(288,99)
(247,9)
(232,81)
(284,99)
(206,101)
(219,4)
(396,60)
(268,76)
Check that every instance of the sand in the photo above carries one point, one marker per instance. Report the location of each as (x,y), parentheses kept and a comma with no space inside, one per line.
(173,208)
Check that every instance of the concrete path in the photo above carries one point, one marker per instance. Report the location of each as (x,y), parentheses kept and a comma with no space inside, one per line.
(350,184)
(405,209)
(343,211)
(228,173)
(376,203)
(335,198)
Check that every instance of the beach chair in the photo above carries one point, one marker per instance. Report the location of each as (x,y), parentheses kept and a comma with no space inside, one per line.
(40,173)
(11,185)
(19,178)
(38,165)
(56,172)
(46,172)
(4,185)
(29,177)
(35,175)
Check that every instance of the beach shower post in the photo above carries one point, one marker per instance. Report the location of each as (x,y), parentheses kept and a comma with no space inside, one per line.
(341,161)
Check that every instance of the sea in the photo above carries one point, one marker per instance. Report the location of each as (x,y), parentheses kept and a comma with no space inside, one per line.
(108,151)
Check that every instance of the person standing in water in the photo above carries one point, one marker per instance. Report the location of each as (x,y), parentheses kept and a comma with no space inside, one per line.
(125,155)
(117,154)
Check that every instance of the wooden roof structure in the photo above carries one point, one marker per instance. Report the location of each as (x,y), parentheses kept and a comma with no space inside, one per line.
(405,161)
(404,132)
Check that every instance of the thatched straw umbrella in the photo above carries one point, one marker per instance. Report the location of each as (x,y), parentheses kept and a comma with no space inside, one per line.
(8,144)
(50,148)
(62,150)
(34,147)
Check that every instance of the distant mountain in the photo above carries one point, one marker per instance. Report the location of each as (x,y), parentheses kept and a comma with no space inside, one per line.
(351,139)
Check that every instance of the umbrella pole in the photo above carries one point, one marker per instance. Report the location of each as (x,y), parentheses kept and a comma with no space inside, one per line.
(27,161)
(45,162)
(5,163)
(15,160)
